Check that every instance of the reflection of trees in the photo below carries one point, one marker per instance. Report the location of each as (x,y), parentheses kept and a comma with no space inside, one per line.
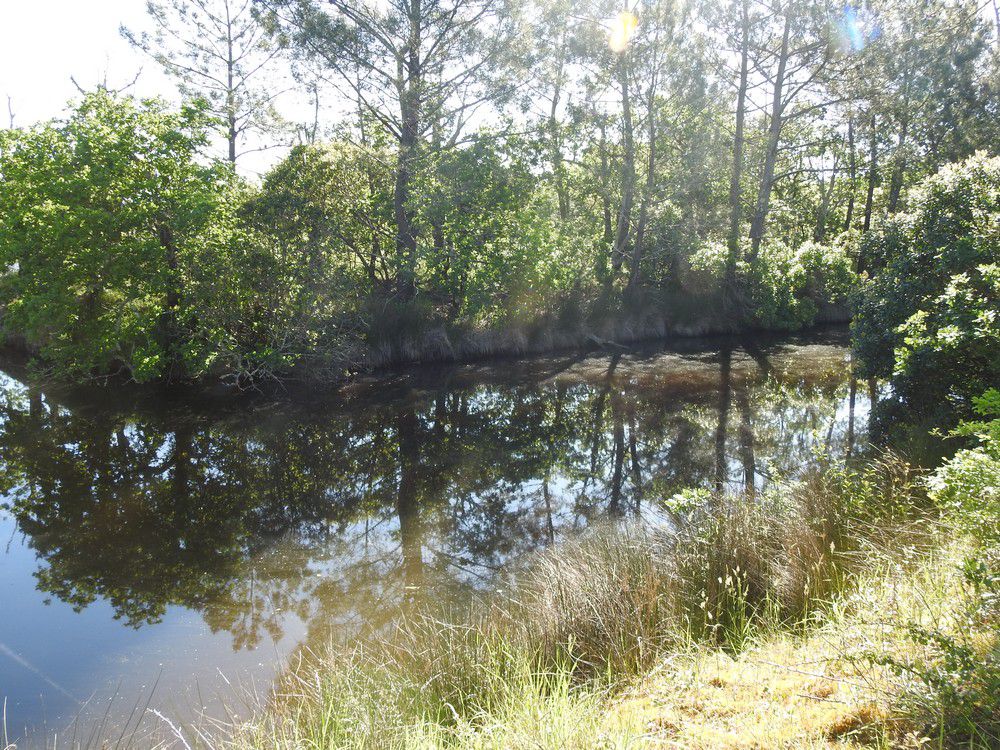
(722,426)
(338,514)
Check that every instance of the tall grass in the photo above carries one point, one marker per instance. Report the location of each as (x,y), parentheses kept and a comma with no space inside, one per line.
(524,668)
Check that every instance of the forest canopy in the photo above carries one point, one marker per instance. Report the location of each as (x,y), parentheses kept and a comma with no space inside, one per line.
(502,178)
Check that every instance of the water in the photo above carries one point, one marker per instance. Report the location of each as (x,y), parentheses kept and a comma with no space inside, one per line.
(168,553)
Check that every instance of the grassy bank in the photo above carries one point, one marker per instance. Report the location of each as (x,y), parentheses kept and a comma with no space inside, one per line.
(842,609)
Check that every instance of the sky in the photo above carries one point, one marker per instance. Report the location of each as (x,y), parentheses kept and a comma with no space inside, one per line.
(45,42)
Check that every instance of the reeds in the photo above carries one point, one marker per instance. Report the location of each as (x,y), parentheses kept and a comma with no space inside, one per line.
(584,622)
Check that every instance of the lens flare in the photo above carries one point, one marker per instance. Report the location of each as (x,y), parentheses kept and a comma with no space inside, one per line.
(851,29)
(622,29)
(855,29)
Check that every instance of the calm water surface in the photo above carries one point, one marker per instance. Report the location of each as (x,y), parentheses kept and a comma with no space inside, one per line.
(169,555)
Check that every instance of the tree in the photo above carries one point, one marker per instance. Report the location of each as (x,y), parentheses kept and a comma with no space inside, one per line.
(918,95)
(793,63)
(419,68)
(220,53)
(741,41)
(668,61)
(928,315)
(99,216)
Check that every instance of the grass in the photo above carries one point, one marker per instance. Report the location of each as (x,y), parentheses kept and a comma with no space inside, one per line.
(774,621)
(829,685)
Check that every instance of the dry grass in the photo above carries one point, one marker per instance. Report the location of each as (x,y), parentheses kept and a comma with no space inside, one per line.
(759,623)
(775,696)
(824,688)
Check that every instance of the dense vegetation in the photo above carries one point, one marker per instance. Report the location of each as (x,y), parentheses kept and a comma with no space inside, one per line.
(531,177)
(855,606)
(929,314)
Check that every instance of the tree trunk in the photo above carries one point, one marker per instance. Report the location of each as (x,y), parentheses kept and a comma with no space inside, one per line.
(852,171)
(231,133)
(735,178)
(375,250)
(823,213)
(899,167)
(605,205)
(771,155)
(440,255)
(640,231)
(409,110)
(628,170)
(555,142)
(872,177)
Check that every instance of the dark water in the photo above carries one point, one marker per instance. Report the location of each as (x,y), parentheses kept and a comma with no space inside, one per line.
(168,554)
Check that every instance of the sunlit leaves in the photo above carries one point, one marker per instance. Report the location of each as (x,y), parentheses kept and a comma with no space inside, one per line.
(929,312)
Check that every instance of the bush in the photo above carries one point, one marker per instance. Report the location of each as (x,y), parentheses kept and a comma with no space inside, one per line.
(786,287)
(99,218)
(950,675)
(967,486)
(929,315)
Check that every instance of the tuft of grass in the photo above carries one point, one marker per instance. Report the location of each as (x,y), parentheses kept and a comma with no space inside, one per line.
(834,684)
(537,664)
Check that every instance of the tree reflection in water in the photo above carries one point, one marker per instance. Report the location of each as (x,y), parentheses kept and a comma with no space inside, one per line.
(340,512)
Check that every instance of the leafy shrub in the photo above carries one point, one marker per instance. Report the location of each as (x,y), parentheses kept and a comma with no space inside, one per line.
(930,312)
(99,217)
(951,674)
(951,682)
(968,484)
(786,287)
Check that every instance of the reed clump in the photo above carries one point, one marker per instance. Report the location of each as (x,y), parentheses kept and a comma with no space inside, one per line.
(531,664)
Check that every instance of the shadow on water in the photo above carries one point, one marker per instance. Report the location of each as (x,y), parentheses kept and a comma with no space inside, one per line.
(236,534)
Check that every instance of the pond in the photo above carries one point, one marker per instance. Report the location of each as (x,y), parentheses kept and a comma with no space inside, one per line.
(162,555)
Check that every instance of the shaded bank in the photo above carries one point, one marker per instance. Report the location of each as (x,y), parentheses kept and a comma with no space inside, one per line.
(401,336)
(401,339)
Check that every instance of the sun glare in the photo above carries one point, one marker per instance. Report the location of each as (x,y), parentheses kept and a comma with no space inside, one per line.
(856,28)
(622,29)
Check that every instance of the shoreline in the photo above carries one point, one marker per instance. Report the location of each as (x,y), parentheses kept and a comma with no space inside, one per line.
(437,349)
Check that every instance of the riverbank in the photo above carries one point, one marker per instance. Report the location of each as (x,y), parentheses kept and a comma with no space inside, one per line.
(385,333)
(399,338)
(437,346)
(845,609)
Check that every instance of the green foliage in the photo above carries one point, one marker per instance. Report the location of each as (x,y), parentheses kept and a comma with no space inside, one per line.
(103,218)
(953,680)
(127,253)
(953,685)
(598,216)
(787,286)
(968,484)
(493,255)
(928,314)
